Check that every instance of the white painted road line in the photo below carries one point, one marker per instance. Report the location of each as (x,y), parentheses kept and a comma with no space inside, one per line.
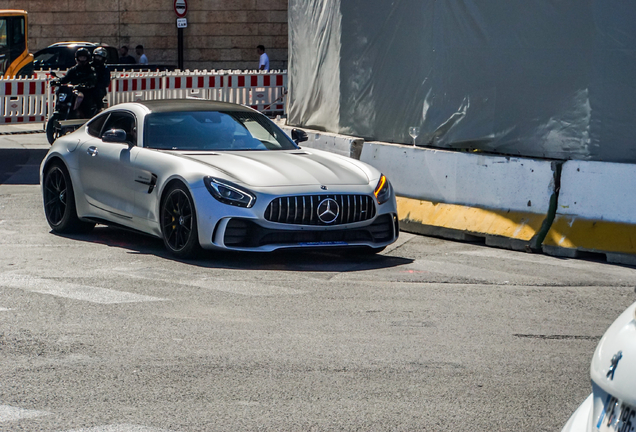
(9,413)
(3,309)
(119,428)
(71,290)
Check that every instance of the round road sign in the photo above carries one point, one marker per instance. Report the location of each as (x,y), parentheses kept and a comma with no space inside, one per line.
(180,8)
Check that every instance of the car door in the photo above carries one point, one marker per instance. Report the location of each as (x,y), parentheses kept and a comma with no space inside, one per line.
(148,168)
(105,168)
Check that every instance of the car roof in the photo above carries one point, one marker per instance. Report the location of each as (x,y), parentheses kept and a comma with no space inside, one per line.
(73,44)
(176,105)
(10,12)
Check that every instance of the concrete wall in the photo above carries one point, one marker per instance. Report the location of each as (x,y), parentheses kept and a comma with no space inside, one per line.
(221,34)
(506,200)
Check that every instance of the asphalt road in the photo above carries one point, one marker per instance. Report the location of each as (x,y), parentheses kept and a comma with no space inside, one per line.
(106,332)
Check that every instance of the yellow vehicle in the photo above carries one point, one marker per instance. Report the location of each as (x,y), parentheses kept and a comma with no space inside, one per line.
(15,59)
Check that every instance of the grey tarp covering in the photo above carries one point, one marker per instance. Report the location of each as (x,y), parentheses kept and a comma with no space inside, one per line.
(539,78)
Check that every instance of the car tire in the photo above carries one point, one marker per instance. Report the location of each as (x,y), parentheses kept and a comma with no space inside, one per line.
(179,222)
(59,202)
(51,132)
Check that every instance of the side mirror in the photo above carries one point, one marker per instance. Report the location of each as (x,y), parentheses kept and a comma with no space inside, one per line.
(299,135)
(114,136)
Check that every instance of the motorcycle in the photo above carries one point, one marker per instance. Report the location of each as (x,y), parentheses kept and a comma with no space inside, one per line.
(69,111)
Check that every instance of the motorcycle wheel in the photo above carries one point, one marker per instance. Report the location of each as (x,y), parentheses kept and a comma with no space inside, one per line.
(52,132)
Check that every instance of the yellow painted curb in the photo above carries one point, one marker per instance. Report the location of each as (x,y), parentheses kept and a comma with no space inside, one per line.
(591,235)
(515,225)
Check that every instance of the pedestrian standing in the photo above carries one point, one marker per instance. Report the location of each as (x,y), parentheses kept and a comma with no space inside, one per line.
(124,57)
(142,57)
(263,62)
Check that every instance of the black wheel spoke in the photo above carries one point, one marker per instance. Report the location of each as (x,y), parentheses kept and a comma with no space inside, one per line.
(58,180)
(174,233)
(50,201)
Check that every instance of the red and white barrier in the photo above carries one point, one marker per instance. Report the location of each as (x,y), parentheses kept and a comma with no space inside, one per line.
(135,88)
(26,100)
(22,100)
(200,85)
(263,91)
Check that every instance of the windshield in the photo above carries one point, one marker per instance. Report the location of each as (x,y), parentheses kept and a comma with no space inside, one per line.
(213,130)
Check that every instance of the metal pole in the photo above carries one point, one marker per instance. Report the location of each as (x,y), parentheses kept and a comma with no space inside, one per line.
(180,47)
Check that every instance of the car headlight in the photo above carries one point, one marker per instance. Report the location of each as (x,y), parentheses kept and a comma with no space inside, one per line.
(229,193)
(383,190)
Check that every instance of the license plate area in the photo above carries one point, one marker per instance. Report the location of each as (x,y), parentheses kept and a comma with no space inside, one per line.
(617,416)
(324,243)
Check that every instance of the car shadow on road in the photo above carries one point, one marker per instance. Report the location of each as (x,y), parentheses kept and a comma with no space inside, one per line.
(323,260)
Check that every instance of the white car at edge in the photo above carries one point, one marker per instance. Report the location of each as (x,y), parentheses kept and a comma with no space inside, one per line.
(612,404)
(213,175)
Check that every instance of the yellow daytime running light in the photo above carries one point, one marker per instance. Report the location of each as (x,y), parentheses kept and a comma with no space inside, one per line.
(380,185)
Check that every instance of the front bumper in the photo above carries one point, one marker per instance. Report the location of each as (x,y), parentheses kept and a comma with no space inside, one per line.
(580,421)
(223,226)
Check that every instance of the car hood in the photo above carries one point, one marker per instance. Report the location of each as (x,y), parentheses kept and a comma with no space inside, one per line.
(283,168)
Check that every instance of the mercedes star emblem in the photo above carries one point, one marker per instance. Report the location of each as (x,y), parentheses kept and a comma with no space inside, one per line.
(617,357)
(328,211)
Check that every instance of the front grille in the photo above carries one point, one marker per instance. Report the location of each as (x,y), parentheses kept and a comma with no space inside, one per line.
(303,209)
(245,233)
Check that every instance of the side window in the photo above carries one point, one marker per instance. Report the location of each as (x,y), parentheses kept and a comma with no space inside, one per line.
(125,121)
(95,126)
(18,44)
(113,55)
(66,58)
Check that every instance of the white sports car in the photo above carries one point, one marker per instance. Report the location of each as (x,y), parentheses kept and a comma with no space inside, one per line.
(612,404)
(212,175)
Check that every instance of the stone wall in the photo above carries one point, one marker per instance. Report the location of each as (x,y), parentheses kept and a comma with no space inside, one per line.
(221,34)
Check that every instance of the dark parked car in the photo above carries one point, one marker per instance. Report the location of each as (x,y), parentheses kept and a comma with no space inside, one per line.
(62,55)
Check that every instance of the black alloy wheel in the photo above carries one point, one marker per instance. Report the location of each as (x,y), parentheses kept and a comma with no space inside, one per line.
(59,202)
(179,222)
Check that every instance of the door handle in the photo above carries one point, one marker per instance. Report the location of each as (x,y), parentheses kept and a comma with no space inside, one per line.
(92,151)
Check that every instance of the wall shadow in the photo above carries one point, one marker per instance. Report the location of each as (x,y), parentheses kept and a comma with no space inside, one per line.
(20,166)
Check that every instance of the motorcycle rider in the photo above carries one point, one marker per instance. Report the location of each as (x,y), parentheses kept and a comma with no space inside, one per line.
(84,78)
(103,75)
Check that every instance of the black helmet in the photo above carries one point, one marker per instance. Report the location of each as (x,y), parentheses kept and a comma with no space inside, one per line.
(82,52)
(100,54)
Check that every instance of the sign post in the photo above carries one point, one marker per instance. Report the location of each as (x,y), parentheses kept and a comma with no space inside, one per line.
(181,9)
